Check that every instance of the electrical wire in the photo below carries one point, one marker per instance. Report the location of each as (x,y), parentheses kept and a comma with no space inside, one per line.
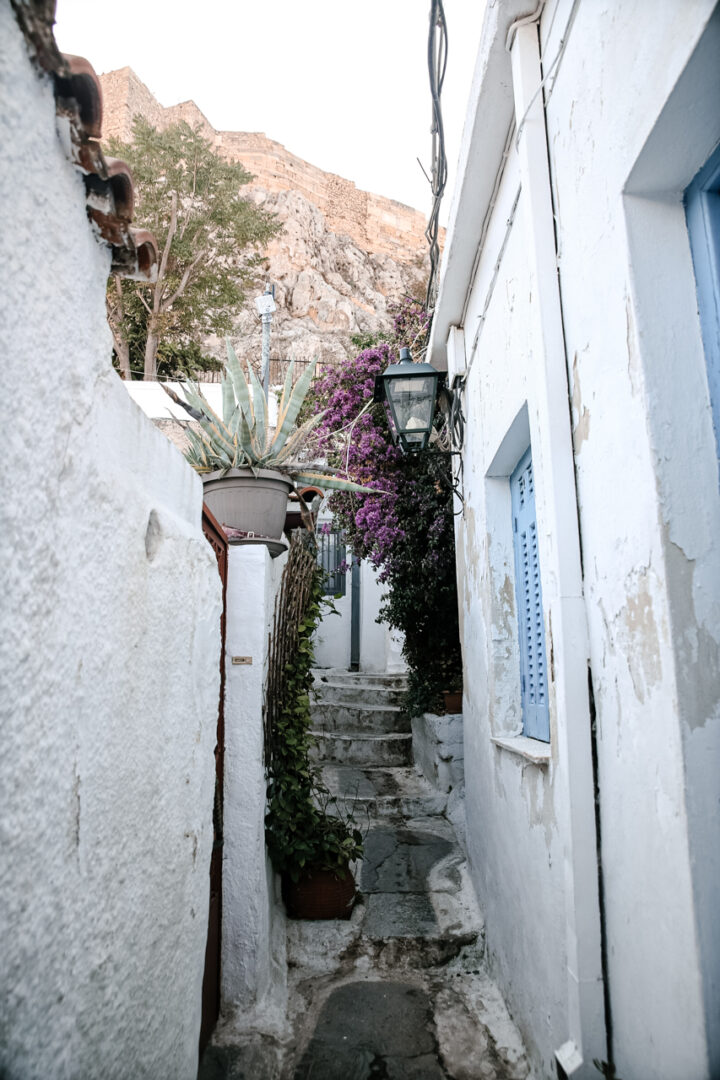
(437,64)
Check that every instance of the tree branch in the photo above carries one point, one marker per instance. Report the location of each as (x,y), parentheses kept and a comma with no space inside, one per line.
(143,301)
(192,199)
(187,274)
(162,271)
(116,322)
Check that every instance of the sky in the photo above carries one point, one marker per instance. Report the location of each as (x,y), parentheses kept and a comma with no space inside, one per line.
(342,85)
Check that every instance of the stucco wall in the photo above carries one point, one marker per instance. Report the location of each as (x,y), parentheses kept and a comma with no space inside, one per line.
(649,510)
(516,827)
(632,115)
(380,649)
(253,925)
(108,655)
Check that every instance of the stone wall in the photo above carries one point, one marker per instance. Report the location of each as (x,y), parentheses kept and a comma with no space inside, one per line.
(376,224)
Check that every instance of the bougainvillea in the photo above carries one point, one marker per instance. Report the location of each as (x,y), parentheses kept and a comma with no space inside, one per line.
(407,531)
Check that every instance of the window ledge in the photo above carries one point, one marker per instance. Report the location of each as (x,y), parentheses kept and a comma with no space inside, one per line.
(531,749)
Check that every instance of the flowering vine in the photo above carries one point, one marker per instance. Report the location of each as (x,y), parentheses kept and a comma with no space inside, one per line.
(406,532)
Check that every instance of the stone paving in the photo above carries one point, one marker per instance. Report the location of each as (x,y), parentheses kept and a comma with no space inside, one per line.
(399,991)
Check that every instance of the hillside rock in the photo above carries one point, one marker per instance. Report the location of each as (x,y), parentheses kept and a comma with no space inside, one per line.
(343,253)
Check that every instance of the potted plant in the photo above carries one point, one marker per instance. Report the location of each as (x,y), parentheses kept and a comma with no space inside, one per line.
(314,855)
(248,468)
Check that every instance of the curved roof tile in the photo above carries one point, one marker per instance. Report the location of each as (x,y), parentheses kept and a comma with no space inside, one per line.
(108,181)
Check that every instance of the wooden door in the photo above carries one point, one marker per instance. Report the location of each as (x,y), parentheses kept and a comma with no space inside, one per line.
(211,978)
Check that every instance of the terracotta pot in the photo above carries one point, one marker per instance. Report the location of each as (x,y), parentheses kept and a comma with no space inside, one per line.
(319,894)
(453,701)
(253,504)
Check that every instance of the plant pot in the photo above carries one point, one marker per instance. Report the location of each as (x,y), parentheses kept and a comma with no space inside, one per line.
(319,894)
(248,502)
(453,701)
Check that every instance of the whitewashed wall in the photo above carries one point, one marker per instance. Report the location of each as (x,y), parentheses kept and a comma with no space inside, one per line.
(516,824)
(632,116)
(108,655)
(253,970)
(380,648)
(647,478)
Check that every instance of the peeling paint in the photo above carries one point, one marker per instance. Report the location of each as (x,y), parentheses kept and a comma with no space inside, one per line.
(471,556)
(633,362)
(696,649)
(581,429)
(539,795)
(643,642)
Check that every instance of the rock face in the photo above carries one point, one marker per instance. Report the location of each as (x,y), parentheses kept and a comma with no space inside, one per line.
(343,253)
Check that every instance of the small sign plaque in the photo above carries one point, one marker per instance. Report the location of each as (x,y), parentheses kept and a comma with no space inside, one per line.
(242,659)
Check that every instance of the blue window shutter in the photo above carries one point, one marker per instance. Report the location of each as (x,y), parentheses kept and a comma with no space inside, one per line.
(702,209)
(528,591)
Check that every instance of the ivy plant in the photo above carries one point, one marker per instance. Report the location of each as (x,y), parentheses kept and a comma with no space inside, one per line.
(305,826)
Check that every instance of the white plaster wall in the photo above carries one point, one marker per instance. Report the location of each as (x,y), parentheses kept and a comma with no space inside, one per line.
(374,636)
(108,655)
(331,640)
(626,135)
(516,828)
(251,942)
(649,510)
(380,649)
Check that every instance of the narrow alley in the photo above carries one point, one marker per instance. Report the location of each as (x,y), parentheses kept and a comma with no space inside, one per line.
(400,989)
(271,429)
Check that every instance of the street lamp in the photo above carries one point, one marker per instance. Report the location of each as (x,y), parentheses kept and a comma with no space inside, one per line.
(410,391)
(265,305)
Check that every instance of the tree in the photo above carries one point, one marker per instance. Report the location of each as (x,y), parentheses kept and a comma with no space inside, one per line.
(210,242)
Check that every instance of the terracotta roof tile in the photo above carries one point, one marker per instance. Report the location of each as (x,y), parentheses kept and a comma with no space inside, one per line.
(108,181)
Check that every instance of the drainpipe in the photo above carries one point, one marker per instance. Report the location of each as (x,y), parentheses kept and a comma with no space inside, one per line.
(567,623)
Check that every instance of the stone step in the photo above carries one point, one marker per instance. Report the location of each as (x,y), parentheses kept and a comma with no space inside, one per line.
(348,693)
(416,909)
(362,748)
(384,793)
(361,678)
(350,716)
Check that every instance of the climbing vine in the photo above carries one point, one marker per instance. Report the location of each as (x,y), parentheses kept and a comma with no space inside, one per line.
(407,532)
(304,825)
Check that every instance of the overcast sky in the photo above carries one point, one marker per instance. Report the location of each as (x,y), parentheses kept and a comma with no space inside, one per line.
(344,86)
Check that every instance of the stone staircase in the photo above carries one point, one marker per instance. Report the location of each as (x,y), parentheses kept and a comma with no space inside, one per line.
(364,742)
(400,989)
(416,935)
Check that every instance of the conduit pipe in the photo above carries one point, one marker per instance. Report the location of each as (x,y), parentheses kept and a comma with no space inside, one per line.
(560,555)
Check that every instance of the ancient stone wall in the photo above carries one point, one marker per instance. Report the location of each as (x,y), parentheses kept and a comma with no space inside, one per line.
(376,224)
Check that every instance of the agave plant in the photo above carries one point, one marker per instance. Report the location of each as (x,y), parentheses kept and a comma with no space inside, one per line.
(242,437)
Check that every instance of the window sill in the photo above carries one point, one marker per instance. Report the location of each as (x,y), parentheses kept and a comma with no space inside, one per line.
(531,749)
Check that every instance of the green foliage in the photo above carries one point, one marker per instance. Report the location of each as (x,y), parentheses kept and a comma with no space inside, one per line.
(242,436)
(365,341)
(407,532)
(422,600)
(184,361)
(304,825)
(210,241)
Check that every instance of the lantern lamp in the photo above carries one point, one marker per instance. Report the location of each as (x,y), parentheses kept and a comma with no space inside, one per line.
(410,391)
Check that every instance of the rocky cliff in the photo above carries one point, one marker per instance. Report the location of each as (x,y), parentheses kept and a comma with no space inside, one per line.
(343,253)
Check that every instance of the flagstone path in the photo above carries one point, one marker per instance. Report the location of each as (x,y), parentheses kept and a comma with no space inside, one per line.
(399,991)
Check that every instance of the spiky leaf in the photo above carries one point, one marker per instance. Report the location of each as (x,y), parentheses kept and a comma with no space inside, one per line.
(286,421)
(337,483)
